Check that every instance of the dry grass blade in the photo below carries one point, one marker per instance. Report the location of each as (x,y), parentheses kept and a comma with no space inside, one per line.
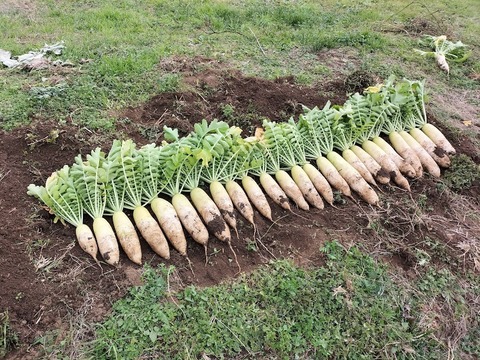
(3,174)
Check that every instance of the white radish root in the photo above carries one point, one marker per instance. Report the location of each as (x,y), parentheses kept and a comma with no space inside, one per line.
(170,224)
(240,200)
(380,174)
(127,237)
(353,178)
(257,197)
(437,154)
(190,219)
(291,189)
(151,231)
(386,163)
(320,183)
(404,167)
(438,138)
(306,187)
(428,163)
(274,191)
(353,160)
(224,203)
(333,177)
(86,240)
(106,241)
(210,213)
(442,63)
(406,152)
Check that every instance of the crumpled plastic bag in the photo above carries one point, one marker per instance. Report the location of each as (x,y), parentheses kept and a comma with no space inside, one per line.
(32,59)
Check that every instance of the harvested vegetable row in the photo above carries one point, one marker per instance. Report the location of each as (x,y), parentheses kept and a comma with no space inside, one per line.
(316,128)
(216,154)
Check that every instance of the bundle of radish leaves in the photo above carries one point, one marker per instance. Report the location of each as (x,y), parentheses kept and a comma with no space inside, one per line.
(345,143)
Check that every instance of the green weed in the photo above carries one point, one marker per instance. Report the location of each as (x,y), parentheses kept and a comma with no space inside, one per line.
(462,173)
(8,337)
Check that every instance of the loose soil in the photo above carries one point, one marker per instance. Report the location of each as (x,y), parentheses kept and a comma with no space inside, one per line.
(46,279)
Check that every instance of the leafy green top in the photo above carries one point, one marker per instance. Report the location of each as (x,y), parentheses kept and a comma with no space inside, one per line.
(60,196)
(90,178)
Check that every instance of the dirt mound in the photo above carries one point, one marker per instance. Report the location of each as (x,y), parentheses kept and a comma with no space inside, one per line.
(44,275)
(220,93)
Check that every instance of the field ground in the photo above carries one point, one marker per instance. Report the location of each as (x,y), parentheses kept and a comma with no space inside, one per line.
(408,268)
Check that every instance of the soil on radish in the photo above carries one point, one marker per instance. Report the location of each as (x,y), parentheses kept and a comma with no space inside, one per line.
(216,225)
(44,275)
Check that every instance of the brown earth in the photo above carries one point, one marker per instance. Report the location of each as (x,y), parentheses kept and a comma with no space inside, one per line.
(46,279)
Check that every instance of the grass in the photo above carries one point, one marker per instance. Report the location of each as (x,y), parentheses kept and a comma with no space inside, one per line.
(462,173)
(8,337)
(115,47)
(349,308)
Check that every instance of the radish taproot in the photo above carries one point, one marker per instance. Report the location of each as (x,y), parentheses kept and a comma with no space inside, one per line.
(379,173)
(437,154)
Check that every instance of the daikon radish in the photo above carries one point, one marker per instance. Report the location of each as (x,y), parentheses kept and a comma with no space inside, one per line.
(404,167)
(89,177)
(380,174)
(354,179)
(320,183)
(429,164)
(306,187)
(210,213)
(256,196)
(62,200)
(170,224)
(437,154)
